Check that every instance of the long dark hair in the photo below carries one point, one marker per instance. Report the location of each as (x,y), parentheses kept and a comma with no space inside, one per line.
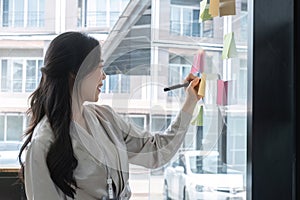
(53,98)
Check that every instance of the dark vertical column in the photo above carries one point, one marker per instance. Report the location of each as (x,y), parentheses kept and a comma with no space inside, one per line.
(271,131)
(199,138)
(297,99)
(222,140)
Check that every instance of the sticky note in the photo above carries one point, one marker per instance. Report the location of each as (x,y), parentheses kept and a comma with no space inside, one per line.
(227,7)
(202,86)
(198,121)
(226,92)
(198,63)
(204,8)
(214,8)
(229,48)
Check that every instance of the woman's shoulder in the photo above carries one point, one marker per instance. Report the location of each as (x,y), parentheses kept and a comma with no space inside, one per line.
(101,109)
(42,132)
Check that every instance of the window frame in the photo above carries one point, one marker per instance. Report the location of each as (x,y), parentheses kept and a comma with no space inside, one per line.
(10,61)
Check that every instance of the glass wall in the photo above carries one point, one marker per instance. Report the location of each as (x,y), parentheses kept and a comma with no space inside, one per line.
(153,45)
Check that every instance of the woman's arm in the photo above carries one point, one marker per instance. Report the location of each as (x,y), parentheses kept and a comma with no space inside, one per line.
(38,184)
(155,149)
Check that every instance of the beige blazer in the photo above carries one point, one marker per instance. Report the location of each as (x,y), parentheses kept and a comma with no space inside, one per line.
(106,149)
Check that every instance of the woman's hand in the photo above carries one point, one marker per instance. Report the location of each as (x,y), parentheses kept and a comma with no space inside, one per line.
(192,93)
(192,89)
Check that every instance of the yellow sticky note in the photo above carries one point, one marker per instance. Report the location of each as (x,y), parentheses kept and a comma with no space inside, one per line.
(214,8)
(204,8)
(202,86)
(227,7)
(229,48)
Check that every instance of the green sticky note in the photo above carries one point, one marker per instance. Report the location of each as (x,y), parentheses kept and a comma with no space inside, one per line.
(198,121)
(229,48)
(204,11)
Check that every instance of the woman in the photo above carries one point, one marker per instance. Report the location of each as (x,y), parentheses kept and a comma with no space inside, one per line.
(80,150)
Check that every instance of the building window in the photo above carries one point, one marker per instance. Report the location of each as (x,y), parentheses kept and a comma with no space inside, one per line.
(244,6)
(160,122)
(185,21)
(207,28)
(138,120)
(12,126)
(36,13)
(17,75)
(118,83)
(99,13)
(20,75)
(2,127)
(23,13)
(177,72)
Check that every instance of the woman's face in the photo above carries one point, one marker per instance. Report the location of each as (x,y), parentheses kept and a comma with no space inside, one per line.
(92,83)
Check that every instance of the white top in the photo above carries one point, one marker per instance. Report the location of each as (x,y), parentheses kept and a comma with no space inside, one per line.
(111,143)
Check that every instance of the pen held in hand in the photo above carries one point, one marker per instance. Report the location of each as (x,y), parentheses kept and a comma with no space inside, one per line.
(176,86)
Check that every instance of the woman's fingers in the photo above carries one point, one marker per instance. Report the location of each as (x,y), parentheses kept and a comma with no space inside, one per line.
(193,87)
(190,77)
(195,82)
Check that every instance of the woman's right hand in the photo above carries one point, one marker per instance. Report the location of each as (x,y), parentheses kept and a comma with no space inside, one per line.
(192,96)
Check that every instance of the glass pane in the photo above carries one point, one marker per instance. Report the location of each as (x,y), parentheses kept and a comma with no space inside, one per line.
(41,13)
(91,13)
(17,75)
(115,5)
(5,76)
(125,83)
(187,22)
(138,121)
(195,24)
(207,27)
(114,16)
(30,76)
(40,65)
(114,83)
(1,127)
(5,17)
(32,13)
(175,21)
(19,13)
(101,16)
(174,78)
(160,123)
(14,128)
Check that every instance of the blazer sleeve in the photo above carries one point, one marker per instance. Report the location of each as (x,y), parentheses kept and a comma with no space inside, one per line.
(153,149)
(38,184)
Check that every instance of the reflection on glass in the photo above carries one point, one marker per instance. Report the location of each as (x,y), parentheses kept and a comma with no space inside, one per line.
(5,80)
(2,127)
(17,75)
(14,128)
(30,75)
